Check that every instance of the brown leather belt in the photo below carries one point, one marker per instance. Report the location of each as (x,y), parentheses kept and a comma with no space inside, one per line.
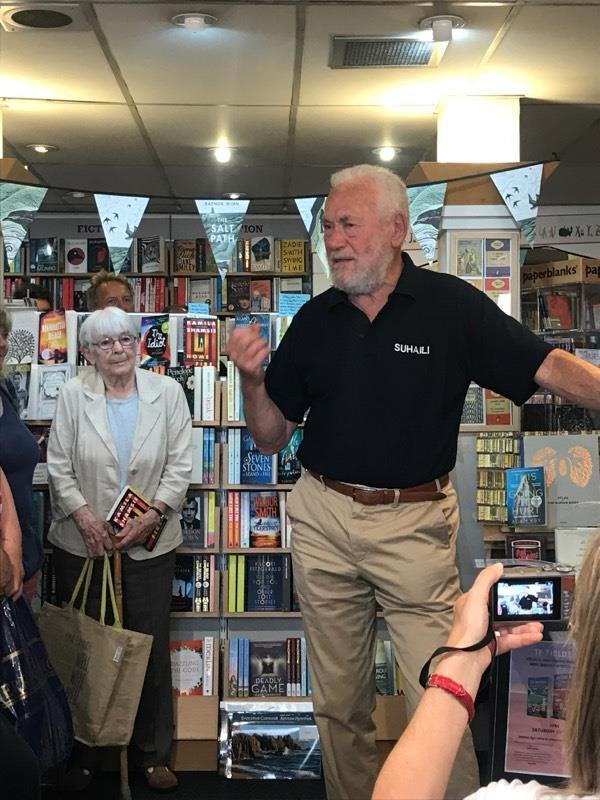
(374,497)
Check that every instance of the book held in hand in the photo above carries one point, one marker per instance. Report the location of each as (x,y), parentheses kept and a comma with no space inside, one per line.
(129,505)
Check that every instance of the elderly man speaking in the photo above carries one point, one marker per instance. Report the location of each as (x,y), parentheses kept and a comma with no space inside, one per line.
(382,362)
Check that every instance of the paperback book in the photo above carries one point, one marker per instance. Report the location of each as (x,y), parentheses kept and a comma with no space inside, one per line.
(154,342)
(268,669)
(268,584)
(53,338)
(265,523)
(255,467)
(187,667)
(289,467)
(129,505)
(526,496)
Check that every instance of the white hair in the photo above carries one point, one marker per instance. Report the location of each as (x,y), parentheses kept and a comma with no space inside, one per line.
(393,198)
(110,321)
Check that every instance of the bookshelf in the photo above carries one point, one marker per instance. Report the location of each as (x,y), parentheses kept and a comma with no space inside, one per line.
(195,745)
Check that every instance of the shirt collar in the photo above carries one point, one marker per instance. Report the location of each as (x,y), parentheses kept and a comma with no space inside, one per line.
(408,283)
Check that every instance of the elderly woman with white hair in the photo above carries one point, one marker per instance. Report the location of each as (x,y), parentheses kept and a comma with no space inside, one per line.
(117,426)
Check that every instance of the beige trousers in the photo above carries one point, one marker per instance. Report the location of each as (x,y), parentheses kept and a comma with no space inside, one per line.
(346,556)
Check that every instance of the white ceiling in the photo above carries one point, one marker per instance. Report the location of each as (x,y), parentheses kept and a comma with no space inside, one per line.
(134,104)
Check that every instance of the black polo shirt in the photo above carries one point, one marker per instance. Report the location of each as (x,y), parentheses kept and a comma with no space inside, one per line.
(386,397)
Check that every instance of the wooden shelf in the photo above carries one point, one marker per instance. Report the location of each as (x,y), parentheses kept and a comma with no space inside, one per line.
(255,550)
(89,275)
(200,550)
(272,698)
(258,487)
(194,614)
(262,614)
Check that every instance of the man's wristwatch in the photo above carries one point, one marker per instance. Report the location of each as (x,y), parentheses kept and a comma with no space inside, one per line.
(162,517)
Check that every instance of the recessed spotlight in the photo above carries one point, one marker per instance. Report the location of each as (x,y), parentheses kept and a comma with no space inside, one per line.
(235,195)
(77,195)
(25,166)
(194,22)
(222,154)
(386,153)
(41,148)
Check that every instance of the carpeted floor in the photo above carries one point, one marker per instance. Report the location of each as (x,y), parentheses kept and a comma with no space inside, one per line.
(197,786)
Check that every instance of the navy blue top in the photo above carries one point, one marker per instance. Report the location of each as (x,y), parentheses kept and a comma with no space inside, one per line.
(19,453)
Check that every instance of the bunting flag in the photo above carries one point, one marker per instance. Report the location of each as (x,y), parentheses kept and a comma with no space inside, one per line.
(520,190)
(425,206)
(222,220)
(18,206)
(120,217)
(311,211)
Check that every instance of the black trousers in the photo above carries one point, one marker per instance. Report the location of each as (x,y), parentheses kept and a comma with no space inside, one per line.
(146,604)
(19,768)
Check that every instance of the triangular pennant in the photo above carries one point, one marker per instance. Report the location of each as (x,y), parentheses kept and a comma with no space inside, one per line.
(222,220)
(18,206)
(522,255)
(520,191)
(311,211)
(120,217)
(425,207)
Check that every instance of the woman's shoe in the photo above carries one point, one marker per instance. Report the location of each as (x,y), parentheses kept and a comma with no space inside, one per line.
(161,779)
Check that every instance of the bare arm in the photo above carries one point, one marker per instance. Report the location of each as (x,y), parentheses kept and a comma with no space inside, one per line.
(570,377)
(412,771)
(269,428)
(10,539)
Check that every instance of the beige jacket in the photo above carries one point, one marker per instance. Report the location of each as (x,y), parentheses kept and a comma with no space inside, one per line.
(83,467)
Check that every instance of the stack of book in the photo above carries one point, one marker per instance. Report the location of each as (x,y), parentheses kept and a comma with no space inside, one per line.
(257,519)
(194,584)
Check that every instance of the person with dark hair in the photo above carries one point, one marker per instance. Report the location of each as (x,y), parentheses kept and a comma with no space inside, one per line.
(19,453)
(109,289)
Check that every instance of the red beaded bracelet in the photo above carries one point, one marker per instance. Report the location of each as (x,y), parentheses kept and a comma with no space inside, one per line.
(452,687)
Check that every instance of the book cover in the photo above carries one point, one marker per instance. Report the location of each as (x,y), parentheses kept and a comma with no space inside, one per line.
(154,341)
(23,338)
(265,523)
(150,254)
(98,256)
(572,473)
(238,292)
(261,295)
(268,586)
(53,338)
(254,466)
(75,255)
(292,255)
(261,254)
(46,383)
(187,667)
(19,376)
(131,504)
(192,520)
(185,255)
(185,378)
(182,592)
(289,467)
(384,675)
(526,496)
(44,255)
(270,743)
(200,335)
(559,311)
(201,291)
(268,669)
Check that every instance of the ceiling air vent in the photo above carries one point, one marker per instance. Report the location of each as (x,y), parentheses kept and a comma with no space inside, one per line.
(41,17)
(359,52)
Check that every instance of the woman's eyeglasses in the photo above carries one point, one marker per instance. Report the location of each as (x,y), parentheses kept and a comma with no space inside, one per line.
(108,342)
